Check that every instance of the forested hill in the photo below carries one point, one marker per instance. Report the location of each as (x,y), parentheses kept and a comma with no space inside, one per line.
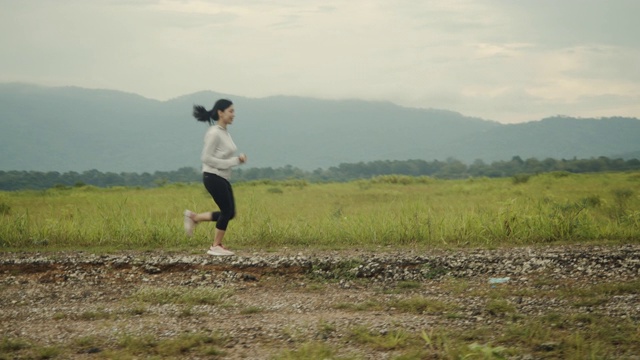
(74,129)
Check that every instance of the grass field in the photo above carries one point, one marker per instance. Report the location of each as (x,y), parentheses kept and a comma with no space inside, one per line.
(394,211)
(549,316)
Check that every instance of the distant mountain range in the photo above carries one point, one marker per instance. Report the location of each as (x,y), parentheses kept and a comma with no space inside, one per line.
(75,129)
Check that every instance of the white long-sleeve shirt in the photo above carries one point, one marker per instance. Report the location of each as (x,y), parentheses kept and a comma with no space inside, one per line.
(218,152)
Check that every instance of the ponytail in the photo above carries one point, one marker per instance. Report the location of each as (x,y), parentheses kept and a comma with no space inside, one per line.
(204,115)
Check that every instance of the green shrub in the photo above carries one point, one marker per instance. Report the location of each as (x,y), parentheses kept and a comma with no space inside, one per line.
(5,208)
(592,201)
(520,178)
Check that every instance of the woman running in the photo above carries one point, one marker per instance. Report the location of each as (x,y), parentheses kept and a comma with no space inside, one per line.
(217,160)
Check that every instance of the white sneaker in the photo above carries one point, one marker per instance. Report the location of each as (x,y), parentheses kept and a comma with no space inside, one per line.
(219,251)
(189,224)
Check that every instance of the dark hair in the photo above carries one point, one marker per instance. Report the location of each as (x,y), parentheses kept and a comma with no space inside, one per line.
(202,114)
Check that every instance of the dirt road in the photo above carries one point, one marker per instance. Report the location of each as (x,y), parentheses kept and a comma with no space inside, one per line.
(258,305)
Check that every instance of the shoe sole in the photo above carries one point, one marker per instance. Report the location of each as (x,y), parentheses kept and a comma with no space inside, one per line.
(219,254)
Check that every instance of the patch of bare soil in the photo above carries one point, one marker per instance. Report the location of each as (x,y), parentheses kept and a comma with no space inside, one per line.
(86,304)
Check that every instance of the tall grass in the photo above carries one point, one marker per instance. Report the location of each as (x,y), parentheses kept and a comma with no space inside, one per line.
(396,211)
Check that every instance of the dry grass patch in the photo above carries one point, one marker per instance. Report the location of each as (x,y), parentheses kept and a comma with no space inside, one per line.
(182,346)
(423,305)
(391,340)
(312,350)
(181,295)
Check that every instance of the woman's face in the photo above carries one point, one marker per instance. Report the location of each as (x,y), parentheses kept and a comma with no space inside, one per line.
(227,115)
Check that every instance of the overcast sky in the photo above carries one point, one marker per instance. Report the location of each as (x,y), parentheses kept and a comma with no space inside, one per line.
(503,60)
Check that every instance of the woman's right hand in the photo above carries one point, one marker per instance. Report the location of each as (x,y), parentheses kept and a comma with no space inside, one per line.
(242,158)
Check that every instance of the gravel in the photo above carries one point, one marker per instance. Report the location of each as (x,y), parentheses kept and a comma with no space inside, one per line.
(281,300)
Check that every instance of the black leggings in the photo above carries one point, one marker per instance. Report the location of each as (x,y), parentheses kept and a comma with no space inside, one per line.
(222,194)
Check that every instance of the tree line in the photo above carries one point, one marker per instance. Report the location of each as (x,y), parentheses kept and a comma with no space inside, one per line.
(449,169)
